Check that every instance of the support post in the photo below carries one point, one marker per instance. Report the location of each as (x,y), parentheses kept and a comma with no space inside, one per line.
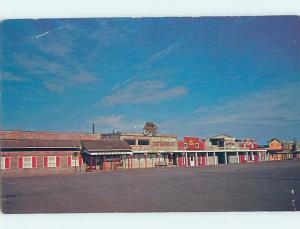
(177,164)
(215,159)
(91,162)
(251,153)
(104,159)
(206,159)
(225,155)
(186,160)
(238,158)
(247,154)
(196,159)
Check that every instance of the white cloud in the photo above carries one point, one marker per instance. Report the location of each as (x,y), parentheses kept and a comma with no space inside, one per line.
(109,123)
(143,67)
(264,114)
(54,86)
(144,92)
(8,76)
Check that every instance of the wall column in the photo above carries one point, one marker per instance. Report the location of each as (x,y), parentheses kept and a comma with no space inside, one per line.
(186,160)
(177,160)
(145,156)
(247,154)
(206,158)
(196,159)
(215,159)
(225,156)
(238,158)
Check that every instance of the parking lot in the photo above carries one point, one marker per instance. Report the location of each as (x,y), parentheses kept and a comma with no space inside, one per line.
(247,187)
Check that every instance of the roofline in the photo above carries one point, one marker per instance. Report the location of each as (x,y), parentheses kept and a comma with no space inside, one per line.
(198,151)
(141,134)
(40,147)
(105,150)
(45,131)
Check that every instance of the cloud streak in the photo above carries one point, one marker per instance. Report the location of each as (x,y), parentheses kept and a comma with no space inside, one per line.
(8,76)
(261,114)
(109,123)
(143,67)
(144,92)
(47,32)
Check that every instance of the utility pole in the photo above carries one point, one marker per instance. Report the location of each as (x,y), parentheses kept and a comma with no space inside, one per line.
(93,130)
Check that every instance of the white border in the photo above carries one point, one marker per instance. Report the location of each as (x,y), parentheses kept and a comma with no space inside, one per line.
(108,8)
(141,8)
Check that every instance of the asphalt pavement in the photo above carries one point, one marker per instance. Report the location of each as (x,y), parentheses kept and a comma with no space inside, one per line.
(270,186)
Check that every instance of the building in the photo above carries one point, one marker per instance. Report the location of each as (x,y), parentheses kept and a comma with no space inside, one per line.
(148,151)
(248,143)
(279,150)
(36,152)
(42,152)
(222,141)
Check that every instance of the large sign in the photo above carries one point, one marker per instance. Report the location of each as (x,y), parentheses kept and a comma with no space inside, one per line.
(150,129)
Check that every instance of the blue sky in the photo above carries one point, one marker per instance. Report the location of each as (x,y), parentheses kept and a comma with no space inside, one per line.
(192,76)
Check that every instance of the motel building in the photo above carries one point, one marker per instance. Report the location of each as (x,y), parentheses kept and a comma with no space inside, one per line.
(36,152)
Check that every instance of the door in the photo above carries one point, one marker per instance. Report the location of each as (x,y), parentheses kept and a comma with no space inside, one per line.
(192,160)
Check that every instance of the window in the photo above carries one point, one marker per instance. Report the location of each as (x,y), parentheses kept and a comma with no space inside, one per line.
(143,142)
(197,145)
(51,161)
(5,162)
(130,141)
(185,145)
(75,161)
(27,162)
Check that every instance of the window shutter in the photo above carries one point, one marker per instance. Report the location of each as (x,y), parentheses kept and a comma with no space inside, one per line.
(45,162)
(20,165)
(34,162)
(7,162)
(69,160)
(57,161)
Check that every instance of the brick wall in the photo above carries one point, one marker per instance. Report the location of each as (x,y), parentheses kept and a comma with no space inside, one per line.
(40,170)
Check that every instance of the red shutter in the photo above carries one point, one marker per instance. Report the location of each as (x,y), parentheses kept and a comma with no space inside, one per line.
(57,161)
(45,162)
(80,161)
(69,160)
(20,165)
(34,162)
(7,163)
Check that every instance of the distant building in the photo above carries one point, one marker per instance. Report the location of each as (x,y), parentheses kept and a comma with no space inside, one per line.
(248,143)
(191,143)
(223,141)
(279,150)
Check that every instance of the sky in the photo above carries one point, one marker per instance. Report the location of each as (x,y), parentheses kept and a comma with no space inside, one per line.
(191,76)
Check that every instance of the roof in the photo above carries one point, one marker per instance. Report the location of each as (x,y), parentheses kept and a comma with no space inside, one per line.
(125,134)
(106,144)
(47,135)
(275,139)
(221,136)
(38,143)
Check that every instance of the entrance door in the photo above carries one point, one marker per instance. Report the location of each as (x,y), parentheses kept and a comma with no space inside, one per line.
(192,160)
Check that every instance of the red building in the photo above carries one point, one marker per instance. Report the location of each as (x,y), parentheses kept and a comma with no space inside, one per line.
(248,144)
(191,143)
